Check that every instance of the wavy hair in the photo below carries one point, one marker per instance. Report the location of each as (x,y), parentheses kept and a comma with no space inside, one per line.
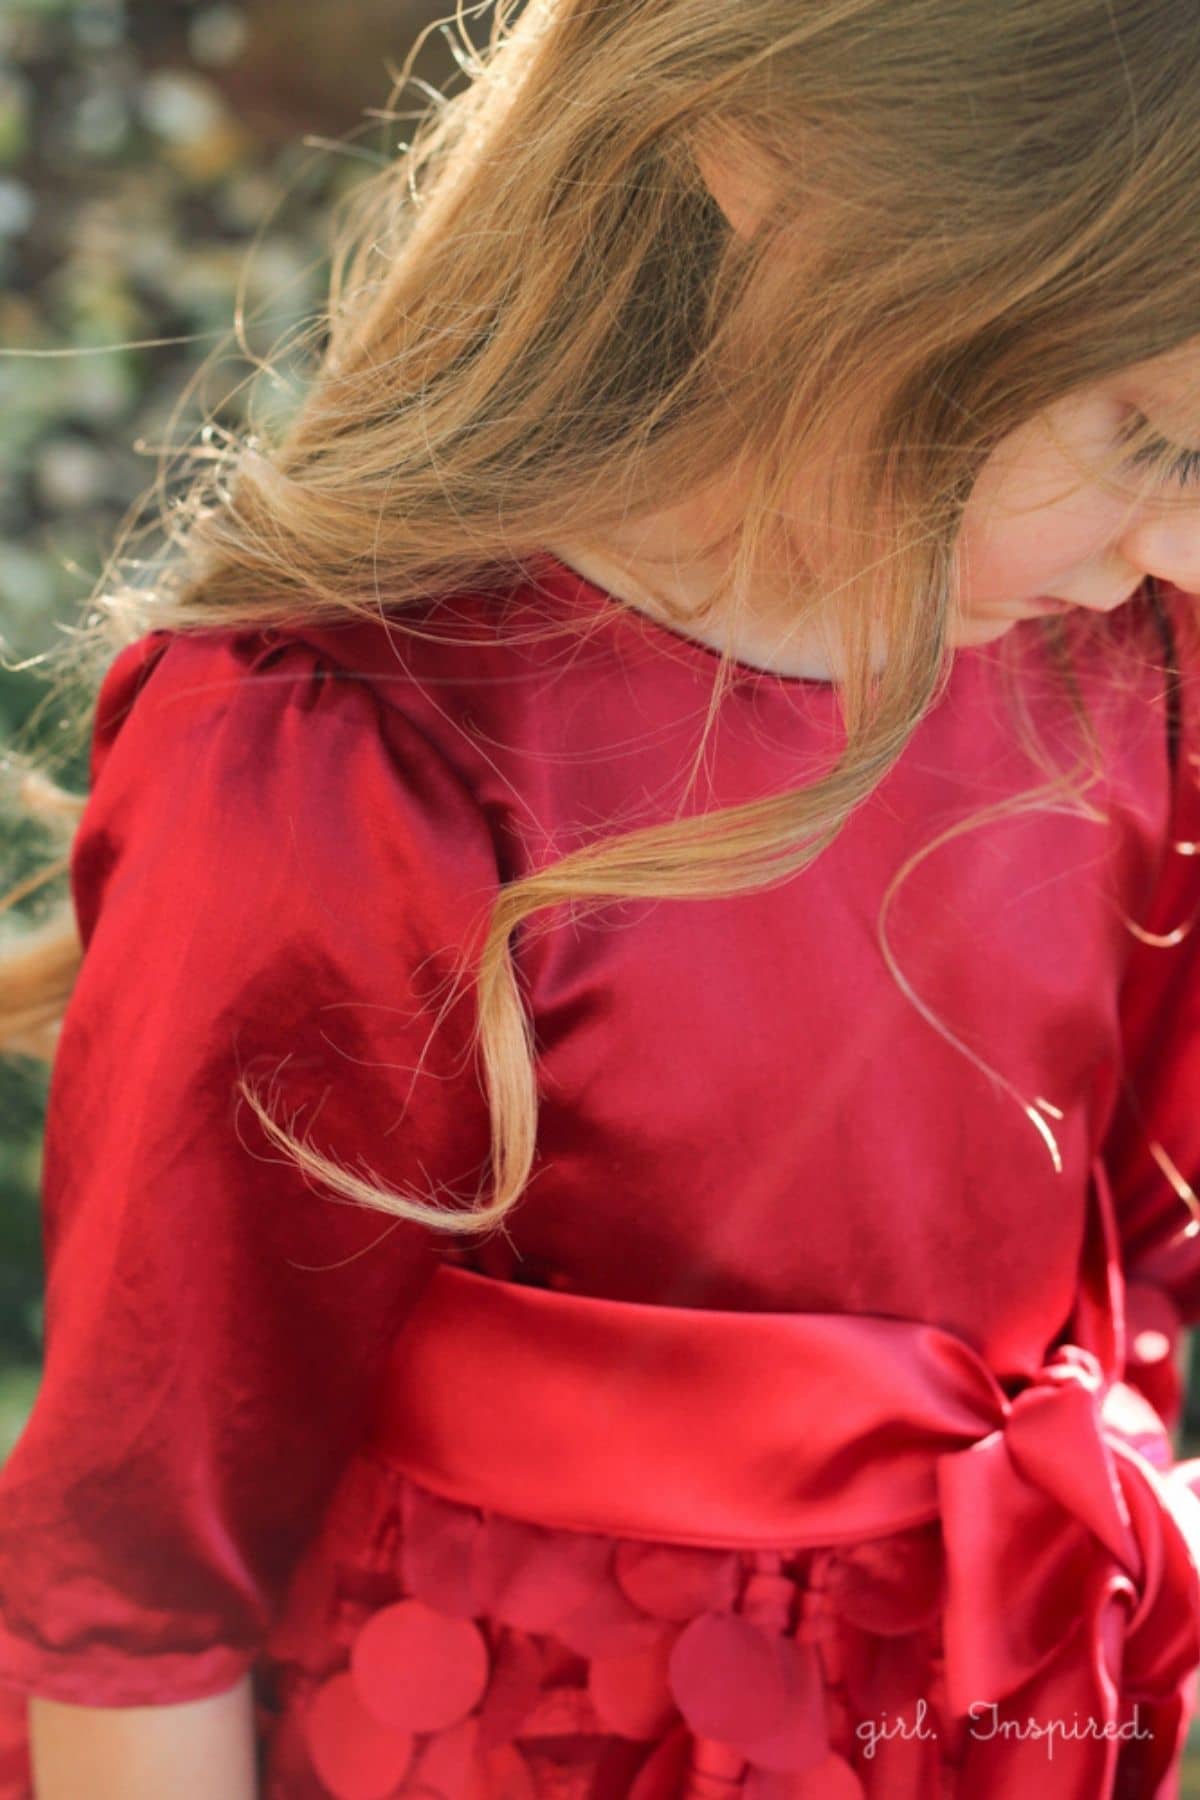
(540,324)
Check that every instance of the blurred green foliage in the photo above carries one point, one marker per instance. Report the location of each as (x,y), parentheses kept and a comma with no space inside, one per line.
(155,160)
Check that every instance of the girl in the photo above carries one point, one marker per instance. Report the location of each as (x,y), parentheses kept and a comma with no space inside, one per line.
(619,1168)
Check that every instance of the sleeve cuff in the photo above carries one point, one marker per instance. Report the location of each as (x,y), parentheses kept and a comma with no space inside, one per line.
(103,1676)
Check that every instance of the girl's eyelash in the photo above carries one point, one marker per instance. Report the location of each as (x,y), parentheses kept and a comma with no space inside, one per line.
(1179,466)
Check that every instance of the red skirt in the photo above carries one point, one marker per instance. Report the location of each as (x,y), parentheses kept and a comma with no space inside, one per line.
(599,1550)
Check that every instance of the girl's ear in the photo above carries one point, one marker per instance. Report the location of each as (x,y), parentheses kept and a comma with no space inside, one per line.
(741,191)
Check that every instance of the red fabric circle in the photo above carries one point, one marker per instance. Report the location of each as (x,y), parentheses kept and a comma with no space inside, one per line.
(356,1756)
(530,1576)
(630,1690)
(889,1585)
(446,1764)
(455,1766)
(417,1670)
(732,1680)
(674,1581)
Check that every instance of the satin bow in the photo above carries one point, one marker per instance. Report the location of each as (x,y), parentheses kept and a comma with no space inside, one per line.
(1072,1583)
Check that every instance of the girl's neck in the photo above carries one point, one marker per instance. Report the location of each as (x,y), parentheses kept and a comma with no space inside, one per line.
(783,651)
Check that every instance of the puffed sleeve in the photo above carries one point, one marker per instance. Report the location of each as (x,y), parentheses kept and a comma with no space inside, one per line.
(274,876)
(1152,1153)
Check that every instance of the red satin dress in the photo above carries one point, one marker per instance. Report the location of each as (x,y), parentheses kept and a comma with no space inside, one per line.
(805,1434)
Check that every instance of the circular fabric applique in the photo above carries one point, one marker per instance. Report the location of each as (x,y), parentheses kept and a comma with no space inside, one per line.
(745,1686)
(672,1581)
(630,1690)
(531,1576)
(355,1756)
(455,1766)
(889,1585)
(416,1669)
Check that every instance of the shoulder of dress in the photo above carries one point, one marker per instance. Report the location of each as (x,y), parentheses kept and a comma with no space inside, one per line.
(251,736)
(411,669)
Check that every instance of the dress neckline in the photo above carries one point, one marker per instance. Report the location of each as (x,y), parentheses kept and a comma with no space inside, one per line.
(580,589)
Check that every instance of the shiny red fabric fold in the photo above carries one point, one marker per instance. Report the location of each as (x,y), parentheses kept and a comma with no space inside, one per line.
(1069,1560)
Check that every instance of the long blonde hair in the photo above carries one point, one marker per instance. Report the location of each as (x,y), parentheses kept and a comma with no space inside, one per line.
(540,323)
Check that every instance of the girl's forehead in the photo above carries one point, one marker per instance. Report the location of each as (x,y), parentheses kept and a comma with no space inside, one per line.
(1167,380)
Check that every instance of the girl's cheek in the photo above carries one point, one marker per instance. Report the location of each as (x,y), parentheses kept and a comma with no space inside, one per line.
(1006,566)
(1026,545)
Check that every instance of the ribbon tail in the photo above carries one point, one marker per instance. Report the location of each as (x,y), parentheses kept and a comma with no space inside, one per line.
(1062,1732)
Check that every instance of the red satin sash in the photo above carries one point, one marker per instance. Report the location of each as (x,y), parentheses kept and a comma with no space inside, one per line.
(1071,1560)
